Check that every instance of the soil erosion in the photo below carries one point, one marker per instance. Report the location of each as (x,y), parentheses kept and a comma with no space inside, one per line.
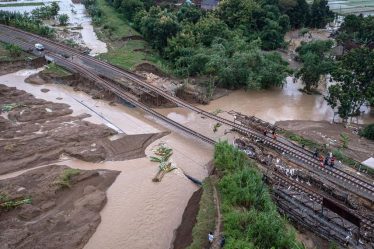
(60,213)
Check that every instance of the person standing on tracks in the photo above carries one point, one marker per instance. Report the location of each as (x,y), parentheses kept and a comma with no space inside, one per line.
(332,162)
(274,135)
(327,160)
(321,160)
(315,154)
(265,132)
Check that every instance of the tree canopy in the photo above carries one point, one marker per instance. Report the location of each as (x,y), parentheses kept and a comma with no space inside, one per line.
(316,62)
(226,44)
(356,31)
(355,82)
(320,14)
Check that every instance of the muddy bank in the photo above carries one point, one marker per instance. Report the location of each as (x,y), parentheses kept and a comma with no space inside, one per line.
(13,66)
(75,81)
(34,132)
(58,217)
(359,148)
(183,235)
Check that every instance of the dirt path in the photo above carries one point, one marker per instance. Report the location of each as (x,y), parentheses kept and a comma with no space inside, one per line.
(217,232)
(326,133)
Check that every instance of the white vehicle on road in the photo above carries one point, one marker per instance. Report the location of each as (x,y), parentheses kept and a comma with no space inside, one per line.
(39,47)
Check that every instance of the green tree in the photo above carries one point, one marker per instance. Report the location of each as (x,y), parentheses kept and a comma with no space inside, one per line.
(237,12)
(209,28)
(14,50)
(130,7)
(63,19)
(244,65)
(271,35)
(157,26)
(189,13)
(320,14)
(355,82)
(54,8)
(368,132)
(297,10)
(316,62)
(356,31)
(319,47)
(311,71)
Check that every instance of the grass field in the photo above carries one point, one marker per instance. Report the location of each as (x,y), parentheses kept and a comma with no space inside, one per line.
(5,56)
(56,70)
(113,28)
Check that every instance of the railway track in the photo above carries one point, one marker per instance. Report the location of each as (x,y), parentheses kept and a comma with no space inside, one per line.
(129,98)
(315,196)
(118,91)
(306,159)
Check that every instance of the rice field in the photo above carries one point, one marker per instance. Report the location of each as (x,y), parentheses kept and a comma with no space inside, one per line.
(344,7)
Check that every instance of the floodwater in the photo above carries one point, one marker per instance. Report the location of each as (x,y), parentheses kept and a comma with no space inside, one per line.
(100,111)
(273,105)
(139,213)
(77,17)
(277,104)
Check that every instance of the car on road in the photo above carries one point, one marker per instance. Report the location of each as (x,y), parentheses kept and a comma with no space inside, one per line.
(39,47)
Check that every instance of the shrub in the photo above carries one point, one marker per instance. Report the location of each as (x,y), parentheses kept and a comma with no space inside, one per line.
(344,138)
(63,19)
(250,216)
(7,203)
(368,132)
(65,178)
(14,50)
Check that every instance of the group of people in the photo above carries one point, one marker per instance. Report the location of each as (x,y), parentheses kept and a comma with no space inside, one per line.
(273,133)
(211,238)
(328,160)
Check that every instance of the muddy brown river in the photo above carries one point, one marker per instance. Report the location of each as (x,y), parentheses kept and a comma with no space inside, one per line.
(277,104)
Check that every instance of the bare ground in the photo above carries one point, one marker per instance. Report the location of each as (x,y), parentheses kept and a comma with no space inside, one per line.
(14,66)
(324,132)
(57,217)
